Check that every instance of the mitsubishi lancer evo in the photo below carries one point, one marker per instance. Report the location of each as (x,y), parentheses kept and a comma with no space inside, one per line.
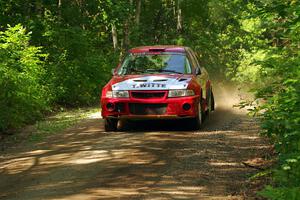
(158,82)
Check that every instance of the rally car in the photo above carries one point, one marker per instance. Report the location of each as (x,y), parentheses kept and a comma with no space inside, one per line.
(158,82)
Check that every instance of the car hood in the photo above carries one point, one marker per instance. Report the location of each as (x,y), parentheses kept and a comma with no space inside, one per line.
(150,82)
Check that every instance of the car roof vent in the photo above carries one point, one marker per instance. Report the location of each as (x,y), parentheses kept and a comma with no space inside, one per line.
(156,50)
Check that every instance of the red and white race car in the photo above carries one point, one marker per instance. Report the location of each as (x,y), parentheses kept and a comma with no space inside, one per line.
(158,82)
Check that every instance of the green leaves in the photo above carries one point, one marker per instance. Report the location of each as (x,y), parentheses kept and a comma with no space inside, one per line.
(271,65)
(22,98)
(288,193)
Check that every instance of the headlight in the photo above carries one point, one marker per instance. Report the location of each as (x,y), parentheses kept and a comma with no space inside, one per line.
(180,93)
(121,94)
(117,94)
(109,94)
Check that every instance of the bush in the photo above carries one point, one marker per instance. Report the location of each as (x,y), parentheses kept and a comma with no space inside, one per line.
(22,97)
(281,122)
(272,67)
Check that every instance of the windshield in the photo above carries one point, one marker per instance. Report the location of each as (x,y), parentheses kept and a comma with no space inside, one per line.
(168,63)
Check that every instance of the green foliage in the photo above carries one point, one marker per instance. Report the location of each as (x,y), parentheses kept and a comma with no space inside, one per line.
(290,193)
(77,71)
(22,97)
(270,62)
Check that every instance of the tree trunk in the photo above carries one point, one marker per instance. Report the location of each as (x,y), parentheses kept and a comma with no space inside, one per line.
(155,27)
(179,17)
(138,12)
(174,7)
(126,36)
(114,36)
(59,8)
(38,7)
(126,25)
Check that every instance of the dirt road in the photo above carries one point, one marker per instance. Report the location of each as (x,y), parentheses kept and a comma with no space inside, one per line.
(155,160)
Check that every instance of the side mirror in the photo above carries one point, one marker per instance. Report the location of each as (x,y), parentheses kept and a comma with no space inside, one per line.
(197,71)
(113,71)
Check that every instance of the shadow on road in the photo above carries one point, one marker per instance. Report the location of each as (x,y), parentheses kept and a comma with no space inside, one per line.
(155,161)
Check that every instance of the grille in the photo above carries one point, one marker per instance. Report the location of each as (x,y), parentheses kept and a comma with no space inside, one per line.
(147,109)
(147,95)
(120,107)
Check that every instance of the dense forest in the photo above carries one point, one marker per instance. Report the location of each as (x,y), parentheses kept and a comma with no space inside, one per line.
(59,53)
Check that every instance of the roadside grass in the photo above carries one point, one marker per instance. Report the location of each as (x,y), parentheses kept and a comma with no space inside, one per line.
(60,121)
(50,125)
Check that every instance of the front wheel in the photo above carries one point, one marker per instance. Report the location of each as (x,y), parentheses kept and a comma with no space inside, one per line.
(198,121)
(210,104)
(111,124)
(212,101)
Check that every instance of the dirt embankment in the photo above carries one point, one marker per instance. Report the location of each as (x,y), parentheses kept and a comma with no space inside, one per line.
(155,160)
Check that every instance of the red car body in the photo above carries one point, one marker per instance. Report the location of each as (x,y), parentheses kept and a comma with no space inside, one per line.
(147,94)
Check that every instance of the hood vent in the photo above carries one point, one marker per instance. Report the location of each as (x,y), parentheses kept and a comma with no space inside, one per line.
(160,80)
(140,80)
(182,79)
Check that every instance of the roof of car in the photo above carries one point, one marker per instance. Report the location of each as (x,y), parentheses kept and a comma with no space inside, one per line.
(158,48)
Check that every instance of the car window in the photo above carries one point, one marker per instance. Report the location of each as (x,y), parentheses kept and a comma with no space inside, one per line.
(202,68)
(155,63)
(192,61)
(196,60)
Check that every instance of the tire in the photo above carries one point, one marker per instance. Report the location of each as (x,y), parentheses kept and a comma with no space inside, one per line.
(111,124)
(198,121)
(123,125)
(210,104)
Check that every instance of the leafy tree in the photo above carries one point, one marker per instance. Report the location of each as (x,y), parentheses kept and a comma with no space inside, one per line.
(23,97)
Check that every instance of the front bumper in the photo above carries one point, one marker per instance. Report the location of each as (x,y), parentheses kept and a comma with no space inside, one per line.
(150,108)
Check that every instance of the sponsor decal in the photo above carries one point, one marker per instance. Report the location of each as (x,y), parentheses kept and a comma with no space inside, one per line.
(149,85)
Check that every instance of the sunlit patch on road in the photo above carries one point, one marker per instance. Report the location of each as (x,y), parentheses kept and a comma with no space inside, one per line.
(17,165)
(95,115)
